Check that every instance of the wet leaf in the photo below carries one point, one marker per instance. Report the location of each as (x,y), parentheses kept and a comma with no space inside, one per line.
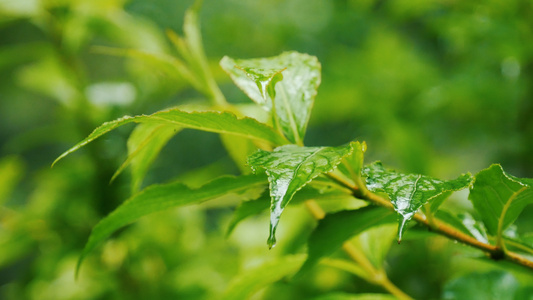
(481,286)
(291,167)
(219,122)
(335,229)
(499,198)
(408,192)
(164,196)
(354,162)
(290,100)
(246,284)
(330,199)
(144,144)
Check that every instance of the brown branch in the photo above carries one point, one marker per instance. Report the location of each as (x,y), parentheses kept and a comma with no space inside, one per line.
(444,229)
(437,225)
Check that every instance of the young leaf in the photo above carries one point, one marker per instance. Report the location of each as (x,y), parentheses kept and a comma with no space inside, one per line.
(408,192)
(245,285)
(291,99)
(219,122)
(160,197)
(335,229)
(480,286)
(291,167)
(144,144)
(499,198)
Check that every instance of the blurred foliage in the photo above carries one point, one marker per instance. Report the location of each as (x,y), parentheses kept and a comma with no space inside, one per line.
(437,87)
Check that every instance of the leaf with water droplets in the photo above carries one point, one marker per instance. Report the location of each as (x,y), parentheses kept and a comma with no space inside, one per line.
(499,198)
(408,192)
(290,100)
(291,167)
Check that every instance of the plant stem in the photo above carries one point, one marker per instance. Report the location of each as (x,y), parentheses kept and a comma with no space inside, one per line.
(442,228)
(378,277)
(436,225)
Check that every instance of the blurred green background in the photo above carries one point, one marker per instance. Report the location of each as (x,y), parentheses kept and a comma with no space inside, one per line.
(439,87)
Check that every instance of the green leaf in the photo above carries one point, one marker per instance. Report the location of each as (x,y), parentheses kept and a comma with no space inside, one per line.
(247,209)
(144,144)
(160,197)
(375,243)
(465,223)
(408,192)
(291,167)
(335,229)
(290,100)
(246,284)
(354,162)
(499,198)
(330,199)
(219,122)
(493,285)
(342,296)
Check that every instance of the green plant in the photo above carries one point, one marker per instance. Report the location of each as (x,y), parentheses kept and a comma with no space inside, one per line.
(271,142)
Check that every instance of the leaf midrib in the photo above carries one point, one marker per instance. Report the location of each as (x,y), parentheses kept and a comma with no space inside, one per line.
(297,169)
(294,126)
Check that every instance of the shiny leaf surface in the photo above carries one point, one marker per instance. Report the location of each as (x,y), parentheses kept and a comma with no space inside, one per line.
(499,198)
(408,192)
(291,167)
(290,100)
(164,196)
(219,122)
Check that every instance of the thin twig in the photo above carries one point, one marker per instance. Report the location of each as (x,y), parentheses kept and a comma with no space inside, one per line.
(442,228)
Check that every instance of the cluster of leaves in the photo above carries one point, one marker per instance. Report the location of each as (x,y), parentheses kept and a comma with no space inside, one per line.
(284,87)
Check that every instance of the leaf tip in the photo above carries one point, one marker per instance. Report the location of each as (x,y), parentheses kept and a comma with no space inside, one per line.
(78,267)
(401,227)
(271,242)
